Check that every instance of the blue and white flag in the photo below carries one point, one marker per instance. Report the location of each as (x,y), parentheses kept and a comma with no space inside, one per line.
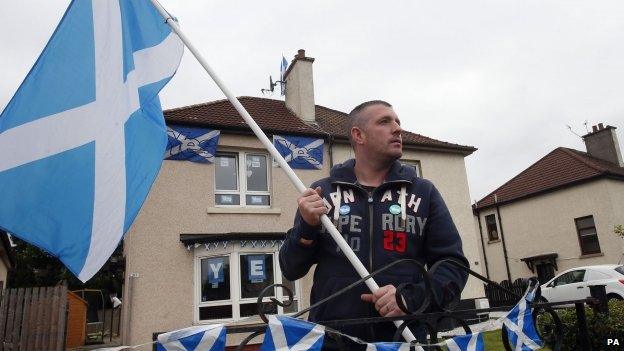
(389,346)
(82,139)
(191,144)
(286,333)
(197,338)
(300,152)
(521,331)
(283,68)
(470,342)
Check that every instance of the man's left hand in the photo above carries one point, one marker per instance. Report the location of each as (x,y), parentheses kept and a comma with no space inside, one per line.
(385,301)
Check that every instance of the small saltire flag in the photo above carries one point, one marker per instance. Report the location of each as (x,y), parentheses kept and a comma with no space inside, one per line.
(388,346)
(520,328)
(300,152)
(95,132)
(286,333)
(470,342)
(197,338)
(191,144)
(283,67)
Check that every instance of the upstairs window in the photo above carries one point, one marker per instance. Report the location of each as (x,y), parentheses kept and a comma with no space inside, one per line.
(492,227)
(242,179)
(414,164)
(587,235)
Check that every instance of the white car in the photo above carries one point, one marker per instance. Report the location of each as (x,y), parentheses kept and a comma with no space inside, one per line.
(574,283)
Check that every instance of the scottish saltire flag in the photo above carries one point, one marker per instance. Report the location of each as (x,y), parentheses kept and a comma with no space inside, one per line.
(197,338)
(191,144)
(82,139)
(300,152)
(520,328)
(283,67)
(470,342)
(388,346)
(286,333)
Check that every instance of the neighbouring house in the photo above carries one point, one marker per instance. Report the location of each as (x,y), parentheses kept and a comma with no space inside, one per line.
(204,243)
(557,214)
(7,258)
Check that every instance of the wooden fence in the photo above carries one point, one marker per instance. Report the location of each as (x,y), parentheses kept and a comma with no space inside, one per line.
(498,297)
(33,318)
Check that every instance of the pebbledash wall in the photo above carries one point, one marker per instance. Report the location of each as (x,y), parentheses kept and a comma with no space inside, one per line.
(545,224)
(159,286)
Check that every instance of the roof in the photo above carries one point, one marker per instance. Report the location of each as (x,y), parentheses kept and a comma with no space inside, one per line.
(274,117)
(560,168)
(188,239)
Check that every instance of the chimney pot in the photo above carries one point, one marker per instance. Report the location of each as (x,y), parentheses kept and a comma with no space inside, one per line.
(600,126)
(301,53)
(594,128)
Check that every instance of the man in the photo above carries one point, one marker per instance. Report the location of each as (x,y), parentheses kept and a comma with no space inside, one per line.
(385,213)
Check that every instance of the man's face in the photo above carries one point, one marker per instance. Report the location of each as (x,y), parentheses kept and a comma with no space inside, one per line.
(381,132)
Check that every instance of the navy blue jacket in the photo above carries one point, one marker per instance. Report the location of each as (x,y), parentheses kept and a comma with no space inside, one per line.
(372,225)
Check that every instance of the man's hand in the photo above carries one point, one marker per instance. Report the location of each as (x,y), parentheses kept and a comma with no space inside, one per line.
(311,206)
(385,301)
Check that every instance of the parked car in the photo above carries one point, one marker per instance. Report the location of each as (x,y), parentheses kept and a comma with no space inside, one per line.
(574,283)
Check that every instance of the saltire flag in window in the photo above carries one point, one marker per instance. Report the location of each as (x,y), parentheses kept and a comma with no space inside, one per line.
(197,338)
(82,139)
(191,144)
(300,152)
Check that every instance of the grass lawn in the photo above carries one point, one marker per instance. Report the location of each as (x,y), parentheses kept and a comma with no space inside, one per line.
(494,341)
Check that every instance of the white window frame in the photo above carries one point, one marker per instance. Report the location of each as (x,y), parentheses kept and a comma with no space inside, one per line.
(234,253)
(416,164)
(241,189)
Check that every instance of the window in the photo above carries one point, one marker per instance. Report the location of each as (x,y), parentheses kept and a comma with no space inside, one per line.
(570,277)
(492,228)
(229,284)
(414,164)
(620,270)
(242,186)
(587,235)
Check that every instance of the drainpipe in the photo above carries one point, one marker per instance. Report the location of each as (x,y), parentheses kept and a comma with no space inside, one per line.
(487,269)
(331,153)
(500,223)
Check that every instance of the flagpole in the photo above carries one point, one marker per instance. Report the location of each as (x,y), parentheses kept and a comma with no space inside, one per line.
(327,223)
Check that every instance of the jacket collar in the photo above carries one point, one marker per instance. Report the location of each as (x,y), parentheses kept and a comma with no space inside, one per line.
(345,173)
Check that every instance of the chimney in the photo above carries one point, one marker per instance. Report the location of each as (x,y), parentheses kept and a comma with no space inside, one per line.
(300,87)
(602,143)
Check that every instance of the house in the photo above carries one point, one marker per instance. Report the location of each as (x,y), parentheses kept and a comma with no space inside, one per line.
(7,258)
(204,227)
(557,214)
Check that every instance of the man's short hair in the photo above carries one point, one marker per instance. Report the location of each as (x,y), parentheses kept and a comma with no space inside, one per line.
(355,117)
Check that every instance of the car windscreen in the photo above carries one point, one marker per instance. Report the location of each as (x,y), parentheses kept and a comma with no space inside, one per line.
(620,270)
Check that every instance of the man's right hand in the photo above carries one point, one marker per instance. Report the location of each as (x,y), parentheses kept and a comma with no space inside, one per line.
(311,206)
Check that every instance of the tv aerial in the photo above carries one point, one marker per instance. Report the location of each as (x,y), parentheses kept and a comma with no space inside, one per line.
(272,86)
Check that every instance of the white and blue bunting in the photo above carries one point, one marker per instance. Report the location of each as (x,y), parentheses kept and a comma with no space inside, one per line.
(285,333)
(191,144)
(300,152)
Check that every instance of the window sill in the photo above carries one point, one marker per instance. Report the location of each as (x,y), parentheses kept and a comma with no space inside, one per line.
(599,254)
(243,210)
(494,241)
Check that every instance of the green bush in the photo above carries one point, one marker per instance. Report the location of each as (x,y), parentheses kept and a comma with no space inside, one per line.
(600,328)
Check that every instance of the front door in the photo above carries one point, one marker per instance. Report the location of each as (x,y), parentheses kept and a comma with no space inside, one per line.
(545,272)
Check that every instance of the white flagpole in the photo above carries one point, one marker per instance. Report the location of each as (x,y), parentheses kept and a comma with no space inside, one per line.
(359,267)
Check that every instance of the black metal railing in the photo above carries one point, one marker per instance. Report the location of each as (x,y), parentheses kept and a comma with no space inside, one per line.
(434,313)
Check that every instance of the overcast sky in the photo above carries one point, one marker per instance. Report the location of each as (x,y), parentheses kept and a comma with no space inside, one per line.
(503,76)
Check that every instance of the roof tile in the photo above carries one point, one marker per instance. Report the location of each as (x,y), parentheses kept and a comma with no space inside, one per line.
(274,117)
(559,168)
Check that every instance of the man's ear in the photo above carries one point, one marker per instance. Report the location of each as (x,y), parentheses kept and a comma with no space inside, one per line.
(357,135)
